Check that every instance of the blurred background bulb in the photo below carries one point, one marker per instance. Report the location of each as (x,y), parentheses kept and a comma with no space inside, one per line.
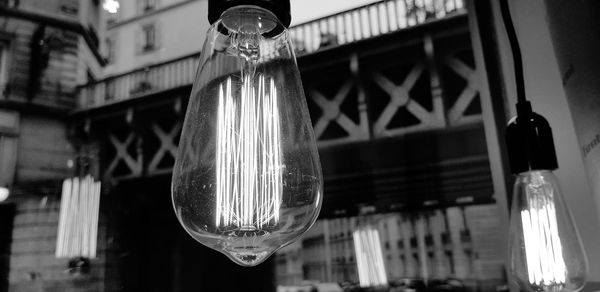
(369,257)
(544,247)
(247,178)
(4,192)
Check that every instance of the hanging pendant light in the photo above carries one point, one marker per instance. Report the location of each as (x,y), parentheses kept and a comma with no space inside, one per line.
(545,251)
(247,178)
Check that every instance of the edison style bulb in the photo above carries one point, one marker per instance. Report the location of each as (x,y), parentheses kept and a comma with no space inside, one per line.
(544,247)
(247,178)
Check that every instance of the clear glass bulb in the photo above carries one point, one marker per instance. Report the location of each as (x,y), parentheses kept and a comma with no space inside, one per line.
(544,247)
(247,178)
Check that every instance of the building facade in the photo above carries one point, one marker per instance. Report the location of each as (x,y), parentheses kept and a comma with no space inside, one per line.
(146,32)
(47,49)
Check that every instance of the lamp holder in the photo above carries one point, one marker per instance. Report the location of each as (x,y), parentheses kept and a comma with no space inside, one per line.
(529,141)
(281,8)
(528,135)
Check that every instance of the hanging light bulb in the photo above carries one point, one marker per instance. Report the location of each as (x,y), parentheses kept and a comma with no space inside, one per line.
(545,251)
(544,248)
(247,178)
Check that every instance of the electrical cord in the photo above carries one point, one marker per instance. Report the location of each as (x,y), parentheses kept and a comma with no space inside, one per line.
(523,105)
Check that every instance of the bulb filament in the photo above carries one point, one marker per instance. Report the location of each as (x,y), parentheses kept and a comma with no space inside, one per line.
(248,156)
(543,249)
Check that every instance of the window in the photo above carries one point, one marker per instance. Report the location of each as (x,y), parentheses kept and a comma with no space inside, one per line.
(9,3)
(9,130)
(69,8)
(145,6)
(3,65)
(148,38)
(110,50)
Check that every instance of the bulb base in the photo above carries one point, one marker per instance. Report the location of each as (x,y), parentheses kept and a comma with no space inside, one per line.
(281,8)
(529,141)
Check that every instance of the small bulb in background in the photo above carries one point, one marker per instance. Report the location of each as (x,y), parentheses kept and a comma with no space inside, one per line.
(111,6)
(247,178)
(4,193)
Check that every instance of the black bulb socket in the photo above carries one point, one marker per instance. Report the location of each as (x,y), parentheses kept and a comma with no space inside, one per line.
(281,8)
(529,141)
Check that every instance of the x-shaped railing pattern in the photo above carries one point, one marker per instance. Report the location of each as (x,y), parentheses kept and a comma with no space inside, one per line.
(332,113)
(134,164)
(456,113)
(167,146)
(360,88)
(400,97)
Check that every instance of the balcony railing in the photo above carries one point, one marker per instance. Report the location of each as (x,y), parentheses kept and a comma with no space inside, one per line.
(140,82)
(365,22)
(369,21)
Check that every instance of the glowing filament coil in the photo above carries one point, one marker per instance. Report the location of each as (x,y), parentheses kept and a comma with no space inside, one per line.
(248,156)
(543,248)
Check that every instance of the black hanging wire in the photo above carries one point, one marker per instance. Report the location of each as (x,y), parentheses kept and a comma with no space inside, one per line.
(516,50)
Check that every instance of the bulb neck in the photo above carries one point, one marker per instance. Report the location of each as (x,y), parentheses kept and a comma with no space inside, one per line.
(250,20)
(544,172)
(529,141)
(279,8)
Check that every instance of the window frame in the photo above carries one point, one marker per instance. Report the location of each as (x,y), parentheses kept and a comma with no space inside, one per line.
(5,48)
(110,44)
(148,37)
(146,6)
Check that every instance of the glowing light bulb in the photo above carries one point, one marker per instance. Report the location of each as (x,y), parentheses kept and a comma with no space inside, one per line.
(111,6)
(4,192)
(247,178)
(544,247)
(545,251)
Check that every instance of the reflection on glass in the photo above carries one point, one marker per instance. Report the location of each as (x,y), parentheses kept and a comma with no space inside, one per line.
(367,246)
(457,248)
